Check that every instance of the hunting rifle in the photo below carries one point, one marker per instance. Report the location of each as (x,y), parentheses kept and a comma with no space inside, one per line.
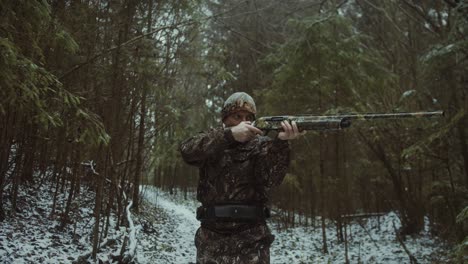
(331,122)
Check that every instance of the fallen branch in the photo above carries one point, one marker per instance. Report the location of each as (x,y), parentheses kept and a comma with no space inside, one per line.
(364,215)
(130,254)
(127,256)
(411,257)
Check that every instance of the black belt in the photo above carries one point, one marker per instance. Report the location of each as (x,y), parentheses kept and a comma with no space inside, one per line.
(232,212)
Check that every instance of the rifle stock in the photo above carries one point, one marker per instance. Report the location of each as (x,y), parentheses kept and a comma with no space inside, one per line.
(332,122)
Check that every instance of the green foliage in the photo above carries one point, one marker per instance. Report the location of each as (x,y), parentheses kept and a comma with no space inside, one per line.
(323,60)
(423,145)
(462,217)
(461,251)
(28,86)
(64,40)
(291,182)
(448,198)
(444,187)
(93,131)
(440,52)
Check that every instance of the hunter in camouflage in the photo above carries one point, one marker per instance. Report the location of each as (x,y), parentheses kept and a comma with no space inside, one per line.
(238,167)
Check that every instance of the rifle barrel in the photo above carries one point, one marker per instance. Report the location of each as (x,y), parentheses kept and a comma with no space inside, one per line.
(333,122)
(370,116)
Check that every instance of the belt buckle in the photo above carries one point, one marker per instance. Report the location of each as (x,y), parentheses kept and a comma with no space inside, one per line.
(235,211)
(228,212)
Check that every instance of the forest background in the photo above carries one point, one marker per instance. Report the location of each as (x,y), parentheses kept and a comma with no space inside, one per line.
(101,93)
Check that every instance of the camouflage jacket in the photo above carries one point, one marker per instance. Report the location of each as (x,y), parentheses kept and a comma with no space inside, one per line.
(233,172)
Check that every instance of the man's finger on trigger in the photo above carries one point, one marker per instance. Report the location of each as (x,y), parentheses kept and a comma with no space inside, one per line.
(254,129)
(257,131)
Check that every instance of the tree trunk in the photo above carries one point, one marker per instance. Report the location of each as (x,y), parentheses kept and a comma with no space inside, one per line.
(139,162)
(97,206)
(464,147)
(16,175)
(29,153)
(7,121)
(411,214)
(74,178)
(322,196)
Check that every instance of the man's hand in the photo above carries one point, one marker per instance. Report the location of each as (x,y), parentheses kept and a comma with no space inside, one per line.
(244,131)
(290,131)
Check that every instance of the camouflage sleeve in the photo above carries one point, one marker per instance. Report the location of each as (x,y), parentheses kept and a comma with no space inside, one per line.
(272,162)
(198,149)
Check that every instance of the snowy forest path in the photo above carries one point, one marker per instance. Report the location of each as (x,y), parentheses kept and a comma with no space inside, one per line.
(168,230)
(168,227)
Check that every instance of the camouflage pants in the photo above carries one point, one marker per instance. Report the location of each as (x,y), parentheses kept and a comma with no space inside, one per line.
(249,246)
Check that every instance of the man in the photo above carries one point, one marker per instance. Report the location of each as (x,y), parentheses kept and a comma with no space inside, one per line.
(238,167)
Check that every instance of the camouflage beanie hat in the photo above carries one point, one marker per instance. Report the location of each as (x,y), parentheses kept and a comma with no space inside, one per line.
(237,102)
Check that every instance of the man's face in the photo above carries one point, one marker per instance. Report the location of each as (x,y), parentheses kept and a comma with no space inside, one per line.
(235,118)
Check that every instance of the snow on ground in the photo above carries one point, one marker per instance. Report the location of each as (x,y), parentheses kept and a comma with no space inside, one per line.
(166,227)
(304,244)
(176,227)
(32,235)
